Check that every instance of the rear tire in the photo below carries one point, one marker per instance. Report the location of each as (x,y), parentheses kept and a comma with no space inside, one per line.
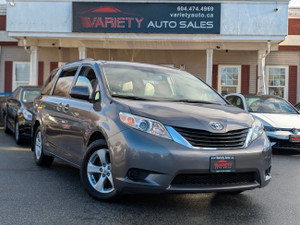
(6,130)
(40,158)
(96,172)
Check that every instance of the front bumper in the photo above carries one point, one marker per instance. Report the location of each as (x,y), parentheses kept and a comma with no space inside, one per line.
(25,127)
(161,161)
(281,140)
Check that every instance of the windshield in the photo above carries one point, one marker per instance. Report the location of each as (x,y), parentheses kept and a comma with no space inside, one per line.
(269,105)
(148,82)
(30,95)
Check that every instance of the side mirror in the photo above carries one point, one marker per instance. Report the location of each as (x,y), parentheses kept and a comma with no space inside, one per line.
(80,92)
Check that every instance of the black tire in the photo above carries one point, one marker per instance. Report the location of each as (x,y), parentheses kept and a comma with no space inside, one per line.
(40,158)
(6,129)
(102,171)
(18,135)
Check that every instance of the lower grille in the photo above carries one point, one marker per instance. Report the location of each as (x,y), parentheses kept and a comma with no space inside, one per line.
(281,144)
(217,179)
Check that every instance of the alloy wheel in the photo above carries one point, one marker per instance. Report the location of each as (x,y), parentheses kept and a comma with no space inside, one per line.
(38,145)
(99,171)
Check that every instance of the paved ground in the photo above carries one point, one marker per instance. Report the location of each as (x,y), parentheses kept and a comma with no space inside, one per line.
(34,195)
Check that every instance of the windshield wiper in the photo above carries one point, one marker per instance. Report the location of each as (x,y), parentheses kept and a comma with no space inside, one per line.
(193,101)
(131,97)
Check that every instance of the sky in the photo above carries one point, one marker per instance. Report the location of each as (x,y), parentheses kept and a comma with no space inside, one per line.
(295,3)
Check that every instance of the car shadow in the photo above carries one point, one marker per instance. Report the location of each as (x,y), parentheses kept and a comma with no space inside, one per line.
(205,208)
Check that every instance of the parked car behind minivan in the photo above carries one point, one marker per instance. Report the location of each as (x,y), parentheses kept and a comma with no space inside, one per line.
(132,127)
(17,114)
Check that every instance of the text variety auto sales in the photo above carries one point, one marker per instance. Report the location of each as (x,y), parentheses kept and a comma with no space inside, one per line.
(124,18)
(129,22)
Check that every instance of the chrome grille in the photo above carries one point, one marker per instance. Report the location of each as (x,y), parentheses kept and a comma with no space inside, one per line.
(206,139)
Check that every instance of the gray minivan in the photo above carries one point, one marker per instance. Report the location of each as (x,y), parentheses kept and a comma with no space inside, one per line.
(132,127)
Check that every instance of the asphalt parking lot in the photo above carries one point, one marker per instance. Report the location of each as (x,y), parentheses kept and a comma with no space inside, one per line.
(33,195)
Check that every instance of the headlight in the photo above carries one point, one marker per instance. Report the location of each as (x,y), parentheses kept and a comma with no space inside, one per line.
(255,131)
(27,115)
(146,125)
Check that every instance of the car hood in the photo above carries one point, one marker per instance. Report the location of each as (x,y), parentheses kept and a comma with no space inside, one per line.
(192,115)
(279,120)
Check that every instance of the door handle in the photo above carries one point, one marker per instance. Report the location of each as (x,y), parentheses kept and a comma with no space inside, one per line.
(66,108)
(59,107)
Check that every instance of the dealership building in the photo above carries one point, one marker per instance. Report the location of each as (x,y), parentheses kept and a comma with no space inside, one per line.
(235,46)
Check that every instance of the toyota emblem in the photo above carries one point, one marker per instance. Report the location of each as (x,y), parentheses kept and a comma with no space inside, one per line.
(216,125)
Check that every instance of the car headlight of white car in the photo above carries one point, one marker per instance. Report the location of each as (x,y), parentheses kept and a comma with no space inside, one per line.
(255,131)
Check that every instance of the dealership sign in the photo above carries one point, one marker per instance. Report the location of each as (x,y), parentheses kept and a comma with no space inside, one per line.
(173,18)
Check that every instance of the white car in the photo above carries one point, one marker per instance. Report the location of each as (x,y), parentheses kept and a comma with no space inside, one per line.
(280,119)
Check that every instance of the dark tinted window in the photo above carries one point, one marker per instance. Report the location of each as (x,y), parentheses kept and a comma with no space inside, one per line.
(49,83)
(64,83)
(239,102)
(230,99)
(87,78)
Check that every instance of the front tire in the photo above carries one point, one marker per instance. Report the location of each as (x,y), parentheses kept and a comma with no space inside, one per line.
(40,158)
(6,130)
(96,172)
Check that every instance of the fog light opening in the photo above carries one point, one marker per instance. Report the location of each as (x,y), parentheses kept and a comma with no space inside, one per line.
(137,175)
(268,173)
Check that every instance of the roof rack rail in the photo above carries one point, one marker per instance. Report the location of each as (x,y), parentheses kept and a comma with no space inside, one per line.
(80,60)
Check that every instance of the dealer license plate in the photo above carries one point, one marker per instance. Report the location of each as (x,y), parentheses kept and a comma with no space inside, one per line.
(295,138)
(223,164)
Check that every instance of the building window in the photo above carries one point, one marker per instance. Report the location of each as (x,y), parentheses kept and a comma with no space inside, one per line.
(229,79)
(21,74)
(277,81)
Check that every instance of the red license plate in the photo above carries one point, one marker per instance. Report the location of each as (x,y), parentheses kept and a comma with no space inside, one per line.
(219,164)
(294,138)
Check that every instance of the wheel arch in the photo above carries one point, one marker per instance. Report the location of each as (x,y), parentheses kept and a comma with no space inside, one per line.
(97,135)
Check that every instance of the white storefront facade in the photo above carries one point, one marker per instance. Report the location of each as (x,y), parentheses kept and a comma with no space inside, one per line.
(228,44)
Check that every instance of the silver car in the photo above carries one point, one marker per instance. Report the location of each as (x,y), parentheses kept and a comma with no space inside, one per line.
(133,127)
(280,119)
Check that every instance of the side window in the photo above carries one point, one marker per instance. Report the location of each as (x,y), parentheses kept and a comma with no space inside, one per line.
(239,103)
(230,99)
(49,83)
(64,82)
(87,78)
